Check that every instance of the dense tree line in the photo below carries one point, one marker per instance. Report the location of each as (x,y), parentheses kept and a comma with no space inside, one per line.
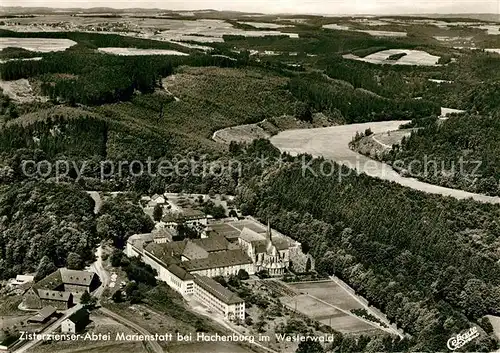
(41,224)
(95,78)
(392,244)
(357,105)
(462,152)
(119,218)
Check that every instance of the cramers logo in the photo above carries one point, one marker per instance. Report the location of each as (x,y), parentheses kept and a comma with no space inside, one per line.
(462,339)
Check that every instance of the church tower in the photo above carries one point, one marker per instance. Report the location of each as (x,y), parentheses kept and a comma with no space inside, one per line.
(269,234)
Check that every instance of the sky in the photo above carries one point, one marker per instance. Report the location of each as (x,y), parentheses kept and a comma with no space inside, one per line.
(285,6)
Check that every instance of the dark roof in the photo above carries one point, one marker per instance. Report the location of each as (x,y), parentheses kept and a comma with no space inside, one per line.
(43,314)
(211,244)
(180,273)
(218,259)
(217,290)
(54,295)
(251,236)
(81,315)
(81,278)
(166,253)
(52,281)
(194,251)
(225,230)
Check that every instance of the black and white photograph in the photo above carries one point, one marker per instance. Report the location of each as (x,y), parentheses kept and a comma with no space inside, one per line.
(249,176)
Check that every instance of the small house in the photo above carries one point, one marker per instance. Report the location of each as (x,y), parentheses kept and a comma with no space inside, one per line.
(75,322)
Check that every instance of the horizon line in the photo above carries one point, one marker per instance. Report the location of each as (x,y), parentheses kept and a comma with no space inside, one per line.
(253,13)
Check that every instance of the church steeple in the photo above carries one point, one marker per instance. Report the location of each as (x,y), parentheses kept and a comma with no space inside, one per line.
(269,234)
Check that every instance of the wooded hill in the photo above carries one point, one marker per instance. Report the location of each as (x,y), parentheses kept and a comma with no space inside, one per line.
(462,152)
(431,266)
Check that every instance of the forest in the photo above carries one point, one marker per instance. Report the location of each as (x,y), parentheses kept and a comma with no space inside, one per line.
(41,224)
(357,105)
(402,264)
(462,152)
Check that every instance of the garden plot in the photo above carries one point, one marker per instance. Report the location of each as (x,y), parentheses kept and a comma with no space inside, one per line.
(43,45)
(135,51)
(412,57)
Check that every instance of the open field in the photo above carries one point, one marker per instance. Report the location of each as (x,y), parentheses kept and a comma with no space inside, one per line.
(20,91)
(389,138)
(375,33)
(241,134)
(265,25)
(384,33)
(43,45)
(199,30)
(495,322)
(135,51)
(412,57)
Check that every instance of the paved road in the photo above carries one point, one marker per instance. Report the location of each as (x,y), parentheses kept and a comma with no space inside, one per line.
(98,268)
(333,143)
(153,345)
(49,329)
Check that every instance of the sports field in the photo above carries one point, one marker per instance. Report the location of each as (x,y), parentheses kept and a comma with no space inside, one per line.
(329,304)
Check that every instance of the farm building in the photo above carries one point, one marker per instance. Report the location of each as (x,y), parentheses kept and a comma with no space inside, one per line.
(43,315)
(76,322)
(60,289)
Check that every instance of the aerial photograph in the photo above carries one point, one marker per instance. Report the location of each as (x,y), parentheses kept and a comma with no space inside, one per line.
(249,176)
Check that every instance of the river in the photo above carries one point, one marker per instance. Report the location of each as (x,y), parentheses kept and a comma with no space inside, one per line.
(333,143)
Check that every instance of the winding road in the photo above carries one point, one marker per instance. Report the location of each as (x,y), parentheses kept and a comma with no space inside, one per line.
(332,143)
